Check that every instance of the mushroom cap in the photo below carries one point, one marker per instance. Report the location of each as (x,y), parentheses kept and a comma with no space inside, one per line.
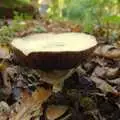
(53,51)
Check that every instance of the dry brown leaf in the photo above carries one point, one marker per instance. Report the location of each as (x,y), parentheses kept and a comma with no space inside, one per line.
(31,103)
(76,28)
(112,73)
(99,72)
(55,111)
(4,110)
(3,116)
(108,51)
(103,85)
(106,72)
(115,81)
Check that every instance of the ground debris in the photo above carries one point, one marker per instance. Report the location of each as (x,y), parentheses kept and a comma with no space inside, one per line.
(53,112)
(89,92)
(108,51)
(30,104)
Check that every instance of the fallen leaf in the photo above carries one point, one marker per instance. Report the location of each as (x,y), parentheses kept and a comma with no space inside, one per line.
(112,73)
(4,110)
(108,51)
(103,85)
(106,72)
(3,116)
(55,111)
(31,103)
(99,72)
(75,28)
(4,107)
(115,81)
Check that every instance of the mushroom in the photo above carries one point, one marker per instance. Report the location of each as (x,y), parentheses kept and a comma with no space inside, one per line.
(53,51)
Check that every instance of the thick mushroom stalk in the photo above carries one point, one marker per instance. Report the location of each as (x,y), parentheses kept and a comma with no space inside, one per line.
(54,51)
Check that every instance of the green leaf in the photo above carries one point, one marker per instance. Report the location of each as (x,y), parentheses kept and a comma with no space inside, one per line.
(112,19)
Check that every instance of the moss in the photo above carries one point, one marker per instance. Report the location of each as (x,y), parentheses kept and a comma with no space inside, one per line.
(6,34)
(87,103)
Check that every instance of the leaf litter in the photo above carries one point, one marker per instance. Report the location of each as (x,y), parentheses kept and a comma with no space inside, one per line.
(89,92)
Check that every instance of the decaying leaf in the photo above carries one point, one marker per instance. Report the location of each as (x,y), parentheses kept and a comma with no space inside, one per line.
(76,28)
(5,83)
(106,72)
(115,81)
(3,66)
(55,111)
(108,51)
(103,85)
(31,103)
(112,73)
(4,116)
(4,107)
(4,110)
(99,72)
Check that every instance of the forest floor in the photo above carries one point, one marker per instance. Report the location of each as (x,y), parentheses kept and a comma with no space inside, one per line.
(90,92)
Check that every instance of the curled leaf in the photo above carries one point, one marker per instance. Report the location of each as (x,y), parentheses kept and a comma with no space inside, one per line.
(103,85)
(31,103)
(108,51)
